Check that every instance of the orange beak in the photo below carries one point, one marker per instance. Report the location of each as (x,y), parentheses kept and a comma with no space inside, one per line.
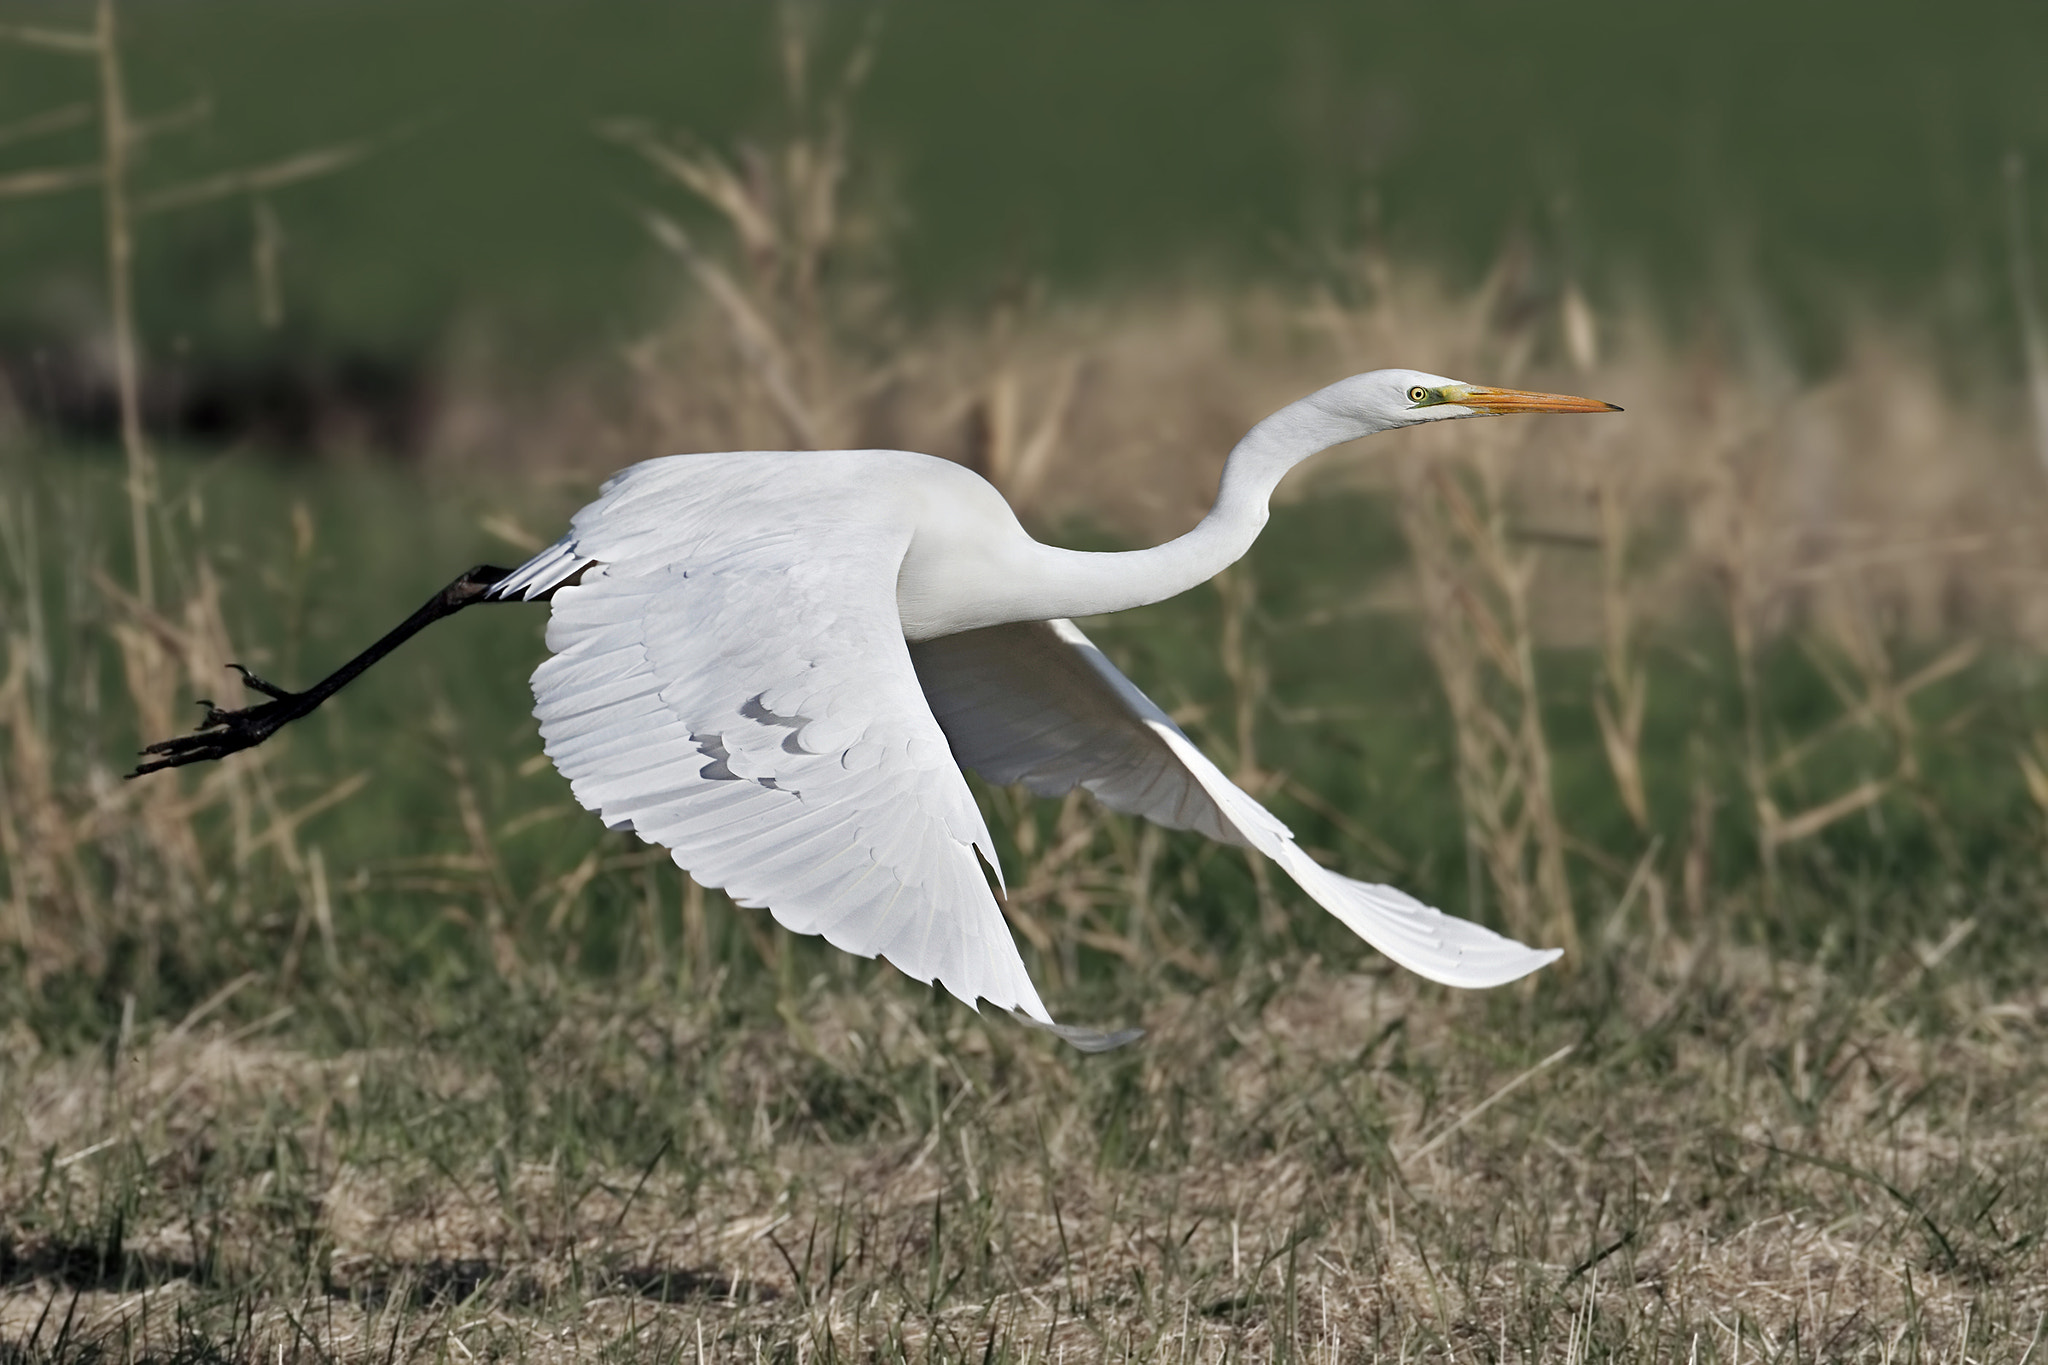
(1502,402)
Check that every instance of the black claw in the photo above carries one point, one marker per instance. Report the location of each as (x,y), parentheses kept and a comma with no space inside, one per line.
(268,689)
(221,733)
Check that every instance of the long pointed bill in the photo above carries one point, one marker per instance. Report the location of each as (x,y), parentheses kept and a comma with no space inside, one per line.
(1502,402)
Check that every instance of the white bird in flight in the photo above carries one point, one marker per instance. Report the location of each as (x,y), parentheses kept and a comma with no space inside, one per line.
(776,664)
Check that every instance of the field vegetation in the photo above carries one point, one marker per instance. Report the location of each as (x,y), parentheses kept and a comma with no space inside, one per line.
(371,1045)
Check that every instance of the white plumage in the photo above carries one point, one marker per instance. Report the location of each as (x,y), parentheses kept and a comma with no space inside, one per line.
(1037,703)
(776,665)
(731,681)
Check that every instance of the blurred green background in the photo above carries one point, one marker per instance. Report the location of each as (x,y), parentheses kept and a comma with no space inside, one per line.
(1832,159)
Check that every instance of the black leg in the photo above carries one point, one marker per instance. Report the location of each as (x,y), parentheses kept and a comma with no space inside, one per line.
(226,732)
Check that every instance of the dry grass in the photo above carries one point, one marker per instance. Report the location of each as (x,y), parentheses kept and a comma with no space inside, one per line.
(1311,1165)
(95,867)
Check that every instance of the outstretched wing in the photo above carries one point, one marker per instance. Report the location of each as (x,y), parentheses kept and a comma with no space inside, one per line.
(729,679)
(1037,703)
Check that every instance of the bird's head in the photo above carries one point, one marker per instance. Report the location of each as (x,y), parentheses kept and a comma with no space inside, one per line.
(1384,399)
(1380,400)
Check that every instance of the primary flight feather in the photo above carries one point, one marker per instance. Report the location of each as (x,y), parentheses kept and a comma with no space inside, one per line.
(777,664)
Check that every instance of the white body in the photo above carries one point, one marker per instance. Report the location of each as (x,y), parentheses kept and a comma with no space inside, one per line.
(776,664)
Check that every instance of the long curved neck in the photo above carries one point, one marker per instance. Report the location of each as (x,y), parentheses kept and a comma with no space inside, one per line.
(1077,583)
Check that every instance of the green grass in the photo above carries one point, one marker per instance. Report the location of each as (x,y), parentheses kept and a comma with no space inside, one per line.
(500,1120)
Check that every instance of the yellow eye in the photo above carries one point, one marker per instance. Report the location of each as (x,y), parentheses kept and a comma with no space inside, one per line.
(1418,395)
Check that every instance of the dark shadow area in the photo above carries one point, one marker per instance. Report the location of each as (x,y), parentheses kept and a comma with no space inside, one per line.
(435,1284)
(88,1267)
(445,1283)
(671,1284)
(296,395)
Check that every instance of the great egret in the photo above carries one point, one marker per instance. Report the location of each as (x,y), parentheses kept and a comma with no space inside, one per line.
(776,665)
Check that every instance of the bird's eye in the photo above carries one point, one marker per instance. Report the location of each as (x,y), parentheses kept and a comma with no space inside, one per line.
(1418,395)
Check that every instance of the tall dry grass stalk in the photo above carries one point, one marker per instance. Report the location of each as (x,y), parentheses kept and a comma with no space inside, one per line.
(94,865)
(1474,590)
(88,859)
(787,318)
(1622,700)
(119,136)
(784,334)
(1863,569)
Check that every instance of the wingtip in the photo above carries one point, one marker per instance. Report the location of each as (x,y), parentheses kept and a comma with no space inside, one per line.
(1526,963)
(1094,1040)
(1082,1039)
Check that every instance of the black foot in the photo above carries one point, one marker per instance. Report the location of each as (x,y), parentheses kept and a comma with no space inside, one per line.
(226,732)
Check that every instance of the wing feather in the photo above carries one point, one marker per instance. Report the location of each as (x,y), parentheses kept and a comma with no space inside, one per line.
(729,679)
(1037,703)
